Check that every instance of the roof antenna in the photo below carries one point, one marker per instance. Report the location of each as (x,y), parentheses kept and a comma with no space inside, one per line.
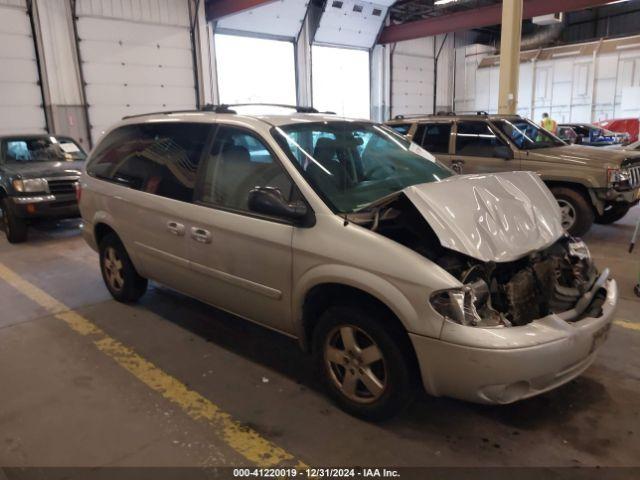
(346,219)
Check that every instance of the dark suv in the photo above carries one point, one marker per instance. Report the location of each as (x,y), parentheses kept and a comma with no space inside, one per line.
(38,179)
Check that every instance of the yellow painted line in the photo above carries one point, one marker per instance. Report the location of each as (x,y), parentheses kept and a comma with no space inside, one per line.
(629,325)
(240,438)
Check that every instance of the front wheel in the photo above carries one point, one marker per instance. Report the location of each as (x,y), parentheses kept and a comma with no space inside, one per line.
(15,228)
(613,213)
(576,212)
(365,366)
(119,274)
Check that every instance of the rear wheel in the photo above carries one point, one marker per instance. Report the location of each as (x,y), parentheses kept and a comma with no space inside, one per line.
(577,213)
(365,365)
(15,228)
(613,213)
(119,274)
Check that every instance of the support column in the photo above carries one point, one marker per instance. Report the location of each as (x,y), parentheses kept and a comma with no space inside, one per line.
(303,65)
(60,69)
(203,55)
(380,83)
(302,46)
(510,56)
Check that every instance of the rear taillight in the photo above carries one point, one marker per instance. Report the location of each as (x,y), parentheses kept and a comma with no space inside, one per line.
(78,191)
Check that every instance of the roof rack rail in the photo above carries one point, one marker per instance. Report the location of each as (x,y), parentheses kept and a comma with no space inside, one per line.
(204,108)
(228,108)
(297,108)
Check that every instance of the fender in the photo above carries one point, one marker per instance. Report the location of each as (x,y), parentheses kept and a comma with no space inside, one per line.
(102,217)
(363,280)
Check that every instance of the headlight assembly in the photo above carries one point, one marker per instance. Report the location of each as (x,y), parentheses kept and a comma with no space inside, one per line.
(619,178)
(31,185)
(463,306)
(577,248)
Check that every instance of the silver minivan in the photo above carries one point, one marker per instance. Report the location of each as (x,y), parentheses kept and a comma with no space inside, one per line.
(392,271)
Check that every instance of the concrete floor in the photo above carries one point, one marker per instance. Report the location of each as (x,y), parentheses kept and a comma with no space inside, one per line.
(65,403)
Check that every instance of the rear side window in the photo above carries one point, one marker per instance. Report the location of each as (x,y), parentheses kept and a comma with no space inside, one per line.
(436,137)
(478,140)
(238,162)
(401,128)
(157,158)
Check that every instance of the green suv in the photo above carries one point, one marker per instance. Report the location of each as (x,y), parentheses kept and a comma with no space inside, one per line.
(590,184)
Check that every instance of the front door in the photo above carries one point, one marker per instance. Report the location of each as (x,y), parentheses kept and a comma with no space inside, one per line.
(243,260)
(478,149)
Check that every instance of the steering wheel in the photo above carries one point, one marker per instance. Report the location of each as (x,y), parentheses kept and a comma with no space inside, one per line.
(368,175)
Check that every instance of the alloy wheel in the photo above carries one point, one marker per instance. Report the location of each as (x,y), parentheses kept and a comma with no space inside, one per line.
(568,214)
(113,269)
(355,364)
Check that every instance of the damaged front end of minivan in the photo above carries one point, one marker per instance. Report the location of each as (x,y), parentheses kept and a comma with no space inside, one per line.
(500,236)
(526,311)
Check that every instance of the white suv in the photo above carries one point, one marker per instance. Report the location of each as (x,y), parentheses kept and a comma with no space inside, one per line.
(391,270)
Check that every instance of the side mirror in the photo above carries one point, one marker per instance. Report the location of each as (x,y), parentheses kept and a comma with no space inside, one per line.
(270,201)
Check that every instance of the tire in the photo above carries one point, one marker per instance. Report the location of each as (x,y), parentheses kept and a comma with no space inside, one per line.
(613,213)
(393,374)
(578,216)
(119,274)
(15,228)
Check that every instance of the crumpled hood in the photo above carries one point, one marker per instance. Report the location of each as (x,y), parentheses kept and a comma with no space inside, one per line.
(497,217)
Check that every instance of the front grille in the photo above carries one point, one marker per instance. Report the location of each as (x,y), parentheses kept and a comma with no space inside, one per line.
(635,176)
(62,186)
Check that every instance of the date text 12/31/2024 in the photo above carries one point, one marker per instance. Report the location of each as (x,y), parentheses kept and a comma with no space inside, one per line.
(336,473)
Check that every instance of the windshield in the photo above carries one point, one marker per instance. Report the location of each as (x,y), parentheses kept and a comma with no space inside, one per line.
(42,149)
(526,135)
(352,164)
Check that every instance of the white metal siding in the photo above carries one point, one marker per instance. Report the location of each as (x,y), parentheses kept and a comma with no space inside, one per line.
(282,18)
(351,23)
(412,77)
(136,58)
(570,89)
(20,94)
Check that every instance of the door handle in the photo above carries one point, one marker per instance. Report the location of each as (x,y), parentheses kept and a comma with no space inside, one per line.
(201,235)
(175,228)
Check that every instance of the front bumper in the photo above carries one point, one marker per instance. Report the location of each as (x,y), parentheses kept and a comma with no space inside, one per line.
(611,195)
(499,366)
(44,206)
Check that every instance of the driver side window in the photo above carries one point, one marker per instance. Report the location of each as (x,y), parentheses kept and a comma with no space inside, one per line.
(476,139)
(238,162)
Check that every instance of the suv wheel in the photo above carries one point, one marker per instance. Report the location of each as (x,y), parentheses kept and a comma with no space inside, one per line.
(15,228)
(613,213)
(576,211)
(118,273)
(365,367)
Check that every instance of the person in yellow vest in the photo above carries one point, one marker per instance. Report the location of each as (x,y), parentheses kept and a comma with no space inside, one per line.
(549,123)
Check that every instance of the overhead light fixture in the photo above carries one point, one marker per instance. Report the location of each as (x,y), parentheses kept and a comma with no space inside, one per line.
(444,2)
(627,46)
(616,1)
(565,54)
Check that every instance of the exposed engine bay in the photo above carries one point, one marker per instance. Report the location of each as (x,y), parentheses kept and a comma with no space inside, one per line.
(514,293)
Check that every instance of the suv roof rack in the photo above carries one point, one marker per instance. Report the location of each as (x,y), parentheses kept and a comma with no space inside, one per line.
(227,108)
(204,108)
(297,108)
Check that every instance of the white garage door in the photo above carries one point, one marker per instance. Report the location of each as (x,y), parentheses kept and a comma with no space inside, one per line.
(20,94)
(136,58)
